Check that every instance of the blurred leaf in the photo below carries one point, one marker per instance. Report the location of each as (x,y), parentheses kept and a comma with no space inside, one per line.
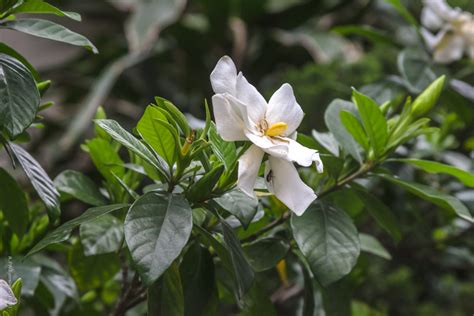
(224,151)
(463,88)
(16,289)
(13,53)
(415,70)
(49,30)
(28,270)
(13,204)
(265,253)
(62,232)
(328,141)
(328,239)
(374,122)
(371,245)
(243,271)
(257,303)
(240,205)
(366,31)
(354,126)
(157,227)
(19,95)
(80,187)
(40,180)
(436,197)
(397,5)
(171,300)
(103,235)
(386,90)
(333,122)
(202,188)
(39,6)
(464,176)
(91,272)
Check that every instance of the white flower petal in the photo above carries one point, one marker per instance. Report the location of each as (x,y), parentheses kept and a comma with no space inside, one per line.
(283,107)
(224,76)
(7,298)
(229,122)
(285,183)
(449,49)
(249,164)
(303,156)
(430,39)
(430,19)
(248,95)
(442,9)
(271,146)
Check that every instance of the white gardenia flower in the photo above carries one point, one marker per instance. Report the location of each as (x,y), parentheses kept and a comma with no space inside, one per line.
(242,114)
(454,31)
(7,298)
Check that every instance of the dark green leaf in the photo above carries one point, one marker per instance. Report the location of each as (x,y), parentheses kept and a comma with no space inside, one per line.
(265,253)
(13,203)
(329,241)
(19,97)
(366,31)
(39,6)
(240,205)
(224,151)
(13,53)
(103,235)
(80,187)
(371,245)
(397,5)
(62,232)
(434,196)
(172,297)
(40,180)
(257,303)
(202,188)
(49,30)
(157,227)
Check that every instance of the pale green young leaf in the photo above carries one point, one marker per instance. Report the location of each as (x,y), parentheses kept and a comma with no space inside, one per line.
(353,126)
(371,245)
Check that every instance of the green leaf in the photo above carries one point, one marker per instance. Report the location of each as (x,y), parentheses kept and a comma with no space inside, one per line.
(386,90)
(265,253)
(13,53)
(240,205)
(371,245)
(327,141)
(25,269)
(13,204)
(40,180)
(328,239)
(16,289)
(198,279)
(464,176)
(49,30)
(157,136)
(202,188)
(415,69)
(243,272)
(224,151)
(380,212)
(103,235)
(39,6)
(171,298)
(397,5)
(353,126)
(374,122)
(366,31)
(333,122)
(92,272)
(441,199)
(128,140)
(157,227)
(105,158)
(80,187)
(177,115)
(257,303)
(19,96)
(63,232)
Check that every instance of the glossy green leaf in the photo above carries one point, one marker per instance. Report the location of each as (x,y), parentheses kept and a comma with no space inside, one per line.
(265,253)
(202,188)
(177,115)
(464,176)
(328,239)
(157,227)
(80,187)
(158,137)
(224,151)
(49,30)
(240,205)
(171,296)
(354,126)
(441,199)
(243,272)
(374,122)
(371,245)
(41,7)
(40,180)
(63,232)
(19,97)
(333,122)
(13,204)
(103,235)
(128,140)
(381,213)
(105,158)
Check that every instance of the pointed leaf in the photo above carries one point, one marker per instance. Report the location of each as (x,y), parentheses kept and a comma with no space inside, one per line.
(103,235)
(371,245)
(13,204)
(353,126)
(41,7)
(80,187)
(240,205)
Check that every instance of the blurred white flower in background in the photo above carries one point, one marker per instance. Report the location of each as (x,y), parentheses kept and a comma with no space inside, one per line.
(448,32)
(7,298)
(242,114)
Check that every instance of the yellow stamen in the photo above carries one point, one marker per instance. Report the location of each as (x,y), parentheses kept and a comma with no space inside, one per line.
(276,129)
(282,273)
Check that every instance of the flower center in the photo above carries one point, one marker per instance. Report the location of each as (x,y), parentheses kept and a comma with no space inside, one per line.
(276,129)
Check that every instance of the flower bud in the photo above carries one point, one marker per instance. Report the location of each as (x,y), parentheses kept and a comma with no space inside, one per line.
(427,99)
